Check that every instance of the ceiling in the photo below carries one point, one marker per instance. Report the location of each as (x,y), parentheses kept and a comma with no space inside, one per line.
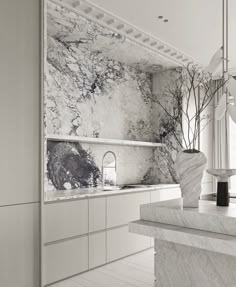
(194,26)
(80,33)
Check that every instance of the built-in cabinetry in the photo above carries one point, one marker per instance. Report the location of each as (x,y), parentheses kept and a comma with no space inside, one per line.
(125,207)
(66,258)
(121,243)
(85,233)
(97,249)
(97,214)
(66,220)
(122,209)
(19,251)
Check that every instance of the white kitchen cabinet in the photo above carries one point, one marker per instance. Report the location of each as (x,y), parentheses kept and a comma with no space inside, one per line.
(97,214)
(103,224)
(65,259)
(66,219)
(19,250)
(165,194)
(20,103)
(170,193)
(121,243)
(124,208)
(155,195)
(97,249)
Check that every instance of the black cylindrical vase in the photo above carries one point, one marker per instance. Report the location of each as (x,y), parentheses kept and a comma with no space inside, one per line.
(222,194)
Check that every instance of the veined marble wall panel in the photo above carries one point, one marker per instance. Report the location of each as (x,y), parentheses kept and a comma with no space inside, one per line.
(184,266)
(91,92)
(67,25)
(163,127)
(75,165)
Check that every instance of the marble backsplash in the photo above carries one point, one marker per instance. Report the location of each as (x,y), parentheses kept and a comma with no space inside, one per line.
(74,165)
(90,94)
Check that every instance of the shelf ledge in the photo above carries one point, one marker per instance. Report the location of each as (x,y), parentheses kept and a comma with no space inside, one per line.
(103,141)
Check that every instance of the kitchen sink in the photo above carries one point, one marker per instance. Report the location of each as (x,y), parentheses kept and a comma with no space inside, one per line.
(128,186)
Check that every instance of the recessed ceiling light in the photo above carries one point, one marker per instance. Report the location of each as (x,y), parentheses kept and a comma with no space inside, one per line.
(162,18)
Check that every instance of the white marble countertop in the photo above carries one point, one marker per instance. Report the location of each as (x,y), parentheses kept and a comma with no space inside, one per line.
(85,193)
(208,216)
(211,241)
(208,227)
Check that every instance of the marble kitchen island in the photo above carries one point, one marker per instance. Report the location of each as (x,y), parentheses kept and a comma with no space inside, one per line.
(194,247)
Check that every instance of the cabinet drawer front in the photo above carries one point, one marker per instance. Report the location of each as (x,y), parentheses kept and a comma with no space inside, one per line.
(122,209)
(155,195)
(66,219)
(121,243)
(65,259)
(97,249)
(165,194)
(97,214)
(170,193)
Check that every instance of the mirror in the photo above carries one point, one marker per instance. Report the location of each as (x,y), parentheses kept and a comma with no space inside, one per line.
(108,170)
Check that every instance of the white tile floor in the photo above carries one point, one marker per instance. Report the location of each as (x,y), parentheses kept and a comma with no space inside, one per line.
(134,271)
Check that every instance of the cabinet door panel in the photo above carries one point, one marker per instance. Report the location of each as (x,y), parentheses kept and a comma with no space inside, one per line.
(97,249)
(19,251)
(122,209)
(120,243)
(65,259)
(66,219)
(170,193)
(155,195)
(97,214)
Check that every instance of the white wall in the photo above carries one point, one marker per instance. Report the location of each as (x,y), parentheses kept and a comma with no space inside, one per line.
(19,145)
(206,146)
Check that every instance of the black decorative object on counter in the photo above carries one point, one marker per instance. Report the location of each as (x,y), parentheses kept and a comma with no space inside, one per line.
(222,176)
(222,194)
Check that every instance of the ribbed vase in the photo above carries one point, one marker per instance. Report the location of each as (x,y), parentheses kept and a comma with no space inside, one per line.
(190,167)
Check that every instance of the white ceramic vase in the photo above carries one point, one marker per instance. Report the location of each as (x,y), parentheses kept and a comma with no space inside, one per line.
(190,167)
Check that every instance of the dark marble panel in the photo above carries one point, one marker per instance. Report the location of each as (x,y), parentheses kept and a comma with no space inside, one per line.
(70,166)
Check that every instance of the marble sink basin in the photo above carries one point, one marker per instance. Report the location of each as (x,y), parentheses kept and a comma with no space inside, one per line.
(126,186)
(218,219)
(134,186)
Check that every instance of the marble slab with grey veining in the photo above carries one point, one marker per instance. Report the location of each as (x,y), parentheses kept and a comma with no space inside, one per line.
(207,216)
(194,247)
(216,242)
(178,265)
(186,257)
(89,67)
(85,193)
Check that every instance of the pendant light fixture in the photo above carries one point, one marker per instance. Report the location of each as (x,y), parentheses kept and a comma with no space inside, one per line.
(223,110)
(222,56)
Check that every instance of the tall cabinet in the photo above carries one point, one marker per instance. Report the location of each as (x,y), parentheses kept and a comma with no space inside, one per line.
(20,143)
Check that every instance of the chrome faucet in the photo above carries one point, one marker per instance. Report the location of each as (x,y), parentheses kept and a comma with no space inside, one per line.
(109,170)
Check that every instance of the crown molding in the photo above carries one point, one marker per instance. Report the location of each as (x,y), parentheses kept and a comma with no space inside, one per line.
(131,32)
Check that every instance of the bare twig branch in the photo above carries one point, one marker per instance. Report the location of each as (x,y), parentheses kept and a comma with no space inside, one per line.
(187,107)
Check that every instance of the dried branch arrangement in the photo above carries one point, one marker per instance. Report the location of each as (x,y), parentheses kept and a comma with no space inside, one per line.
(192,92)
